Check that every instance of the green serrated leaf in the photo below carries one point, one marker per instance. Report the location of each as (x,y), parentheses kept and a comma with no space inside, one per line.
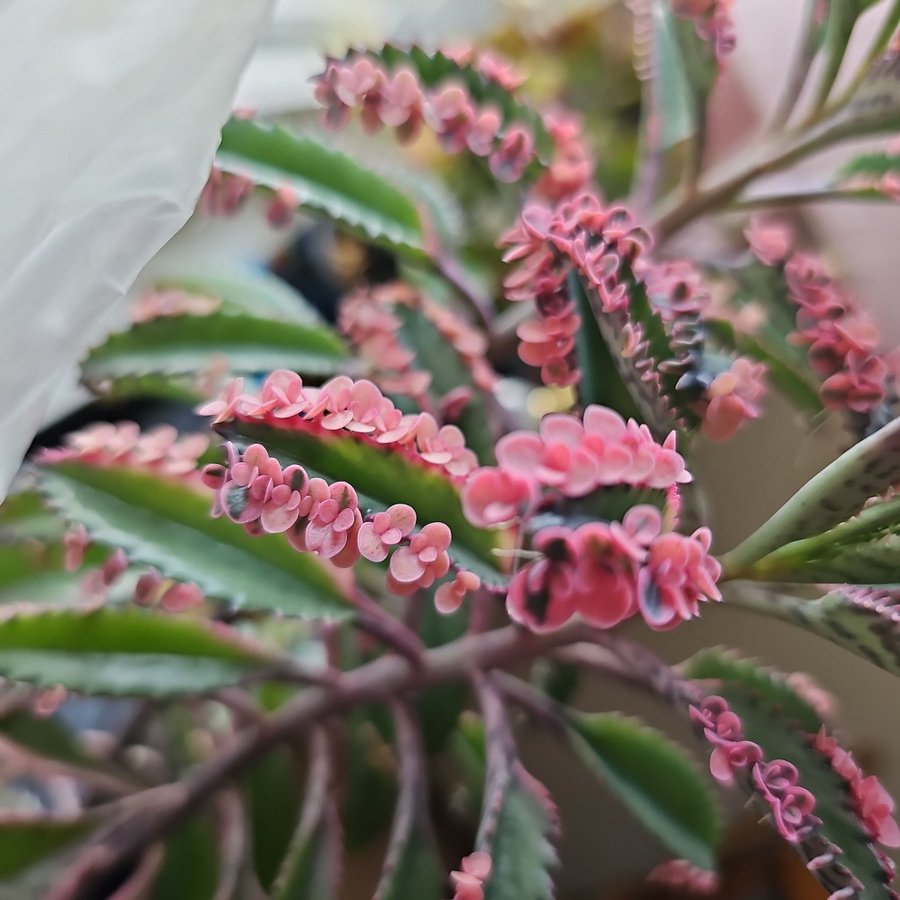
(866,629)
(448,371)
(181,345)
(602,378)
(252,292)
(673,89)
(832,496)
(869,165)
(26,839)
(863,550)
(167,524)
(381,478)
(654,779)
(123,651)
(24,516)
(326,182)
(780,739)
(191,864)
(873,109)
(31,572)
(517,830)
(770,688)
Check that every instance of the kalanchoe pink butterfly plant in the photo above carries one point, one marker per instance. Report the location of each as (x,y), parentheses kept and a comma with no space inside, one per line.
(314,605)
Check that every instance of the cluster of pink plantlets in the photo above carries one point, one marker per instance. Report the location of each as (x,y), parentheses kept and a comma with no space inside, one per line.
(253,490)
(348,407)
(161,449)
(368,318)
(468,884)
(841,338)
(398,100)
(226,193)
(571,166)
(872,803)
(776,782)
(151,588)
(166,303)
(712,22)
(606,248)
(487,63)
(732,399)
(547,243)
(603,571)
(608,572)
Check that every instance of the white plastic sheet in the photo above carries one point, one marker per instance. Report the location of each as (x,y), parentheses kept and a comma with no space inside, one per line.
(111,116)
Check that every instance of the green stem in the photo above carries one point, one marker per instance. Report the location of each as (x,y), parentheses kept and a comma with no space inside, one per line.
(671,221)
(888,27)
(799,71)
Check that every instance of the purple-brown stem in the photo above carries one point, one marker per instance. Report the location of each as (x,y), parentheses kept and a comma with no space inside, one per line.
(147,817)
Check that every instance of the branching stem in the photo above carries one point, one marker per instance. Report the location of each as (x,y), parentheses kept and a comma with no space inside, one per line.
(149,816)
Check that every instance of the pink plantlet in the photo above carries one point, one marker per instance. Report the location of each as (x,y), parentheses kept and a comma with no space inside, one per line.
(450,113)
(224,193)
(449,596)
(482,135)
(114,567)
(675,287)
(226,407)
(358,84)
(181,597)
(422,561)
(770,242)
(712,22)
(679,574)
(454,403)
(578,233)
(515,151)
(282,207)
(556,456)
(75,542)
(604,577)
(542,595)
(402,104)
(682,875)
(841,339)
(444,446)
(492,497)
(384,531)
(169,303)
(571,165)
(791,806)
(149,588)
(469,883)
(872,803)
(732,399)
(811,691)
(333,526)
